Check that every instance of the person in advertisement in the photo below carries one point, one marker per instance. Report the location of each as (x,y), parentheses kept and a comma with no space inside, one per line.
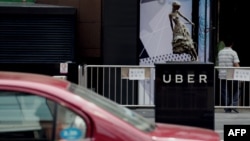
(182,41)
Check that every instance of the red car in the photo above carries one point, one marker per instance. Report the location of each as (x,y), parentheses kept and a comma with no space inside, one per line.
(42,108)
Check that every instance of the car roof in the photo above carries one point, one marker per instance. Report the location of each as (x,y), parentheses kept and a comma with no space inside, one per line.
(32,77)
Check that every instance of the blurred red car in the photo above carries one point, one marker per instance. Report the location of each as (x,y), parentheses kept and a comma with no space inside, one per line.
(42,108)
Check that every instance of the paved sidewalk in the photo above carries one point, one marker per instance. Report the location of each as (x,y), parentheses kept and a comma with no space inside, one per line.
(221,118)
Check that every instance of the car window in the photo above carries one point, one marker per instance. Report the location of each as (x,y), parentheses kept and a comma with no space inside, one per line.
(115,109)
(29,117)
(69,125)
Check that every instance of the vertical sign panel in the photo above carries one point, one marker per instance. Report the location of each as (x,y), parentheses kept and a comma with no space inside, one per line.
(184,94)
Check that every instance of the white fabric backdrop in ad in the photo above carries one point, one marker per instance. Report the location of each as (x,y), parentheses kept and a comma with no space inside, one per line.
(155,31)
(156,37)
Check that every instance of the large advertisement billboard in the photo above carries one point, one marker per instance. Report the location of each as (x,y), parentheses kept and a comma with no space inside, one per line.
(160,25)
(157,35)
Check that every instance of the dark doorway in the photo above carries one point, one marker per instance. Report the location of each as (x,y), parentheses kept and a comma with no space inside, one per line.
(233,21)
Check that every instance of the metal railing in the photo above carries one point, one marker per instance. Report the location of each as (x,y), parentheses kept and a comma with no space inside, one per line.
(236,87)
(125,84)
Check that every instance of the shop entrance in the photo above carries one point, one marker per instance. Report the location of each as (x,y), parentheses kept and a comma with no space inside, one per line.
(232,19)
